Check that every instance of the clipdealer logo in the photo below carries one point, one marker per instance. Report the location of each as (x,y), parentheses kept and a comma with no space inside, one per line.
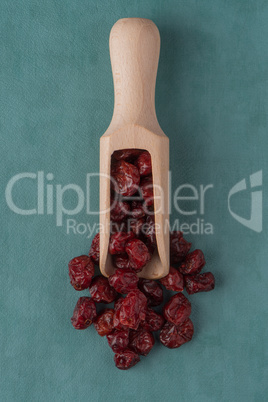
(255,220)
(50,201)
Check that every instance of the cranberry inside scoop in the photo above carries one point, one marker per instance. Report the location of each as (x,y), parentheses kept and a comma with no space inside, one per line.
(118,242)
(144,164)
(122,261)
(126,178)
(137,210)
(132,246)
(138,254)
(126,154)
(119,210)
(146,187)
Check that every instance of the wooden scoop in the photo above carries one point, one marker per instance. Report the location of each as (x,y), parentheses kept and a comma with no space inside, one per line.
(134,52)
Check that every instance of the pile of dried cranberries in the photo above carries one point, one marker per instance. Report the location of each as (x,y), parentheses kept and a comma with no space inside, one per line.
(130,324)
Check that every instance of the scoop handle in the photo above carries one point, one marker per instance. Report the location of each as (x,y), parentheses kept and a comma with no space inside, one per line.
(134,52)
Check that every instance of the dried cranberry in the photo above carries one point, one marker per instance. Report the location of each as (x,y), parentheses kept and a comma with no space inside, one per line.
(127,178)
(149,210)
(118,303)
(193,263)
(116,227)
(138,254)
(94,251)
(126,359)
(153,321)
(124,280)
(119,210)
(136,226)
(81,272)
(173,281)
(149,230)
(173,336)
(151,247)
(84,313)
(137,210)
(101,291)
(126,154)
(152,290)
(118,242)
(122,261)
(116,320)
(141,341)
(199,283)
(133,309)
(177,309)
(118,339)
(179,247)
(104,322)
(144,163)
(146,187)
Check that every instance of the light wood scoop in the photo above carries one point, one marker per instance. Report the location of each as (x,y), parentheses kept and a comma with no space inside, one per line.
(134,52)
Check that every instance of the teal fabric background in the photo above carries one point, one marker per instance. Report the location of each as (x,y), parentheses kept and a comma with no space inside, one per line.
(56,101)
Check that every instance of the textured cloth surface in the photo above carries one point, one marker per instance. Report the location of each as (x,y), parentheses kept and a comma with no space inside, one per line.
(56,100)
